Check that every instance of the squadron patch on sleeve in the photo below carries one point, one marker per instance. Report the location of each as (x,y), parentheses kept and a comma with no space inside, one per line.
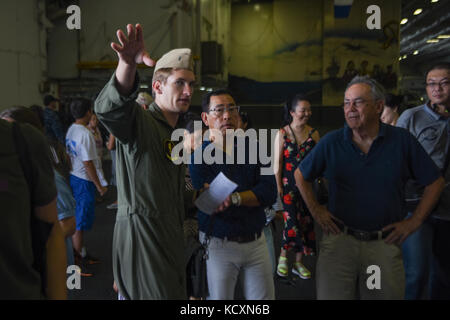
(168,146)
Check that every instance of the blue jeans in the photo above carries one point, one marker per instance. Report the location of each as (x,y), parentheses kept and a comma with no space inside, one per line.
(417,257)
(427,261)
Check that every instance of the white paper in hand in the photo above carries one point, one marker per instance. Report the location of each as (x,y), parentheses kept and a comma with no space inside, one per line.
(219,189)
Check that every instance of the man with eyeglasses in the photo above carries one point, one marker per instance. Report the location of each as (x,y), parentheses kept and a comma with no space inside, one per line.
(426,252)
(148,243)
(236,246)
(367,164)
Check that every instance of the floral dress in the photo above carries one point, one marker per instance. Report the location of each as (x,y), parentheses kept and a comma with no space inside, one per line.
(298,230)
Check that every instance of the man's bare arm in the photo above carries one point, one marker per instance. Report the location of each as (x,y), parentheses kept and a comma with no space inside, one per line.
(111,144)
(323,217)
(56,260)
(404,228)
(92,174)
(249,199)
(68,226)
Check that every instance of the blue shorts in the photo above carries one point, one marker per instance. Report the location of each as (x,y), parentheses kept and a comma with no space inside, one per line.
(84,194)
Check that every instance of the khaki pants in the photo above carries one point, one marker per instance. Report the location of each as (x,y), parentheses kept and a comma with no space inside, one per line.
(342,269)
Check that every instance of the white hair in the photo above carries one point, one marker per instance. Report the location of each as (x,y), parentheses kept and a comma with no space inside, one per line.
(377,89)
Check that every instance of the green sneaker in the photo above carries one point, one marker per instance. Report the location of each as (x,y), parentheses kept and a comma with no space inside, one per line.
(300,270)
(282,269)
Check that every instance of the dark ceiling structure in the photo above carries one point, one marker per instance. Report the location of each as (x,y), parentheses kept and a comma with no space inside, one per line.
(425,37)
(432,24)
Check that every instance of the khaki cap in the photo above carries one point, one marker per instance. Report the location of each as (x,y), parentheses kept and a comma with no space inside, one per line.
(176,59)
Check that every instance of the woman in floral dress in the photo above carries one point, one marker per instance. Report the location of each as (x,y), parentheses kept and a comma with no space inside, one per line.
(296,139)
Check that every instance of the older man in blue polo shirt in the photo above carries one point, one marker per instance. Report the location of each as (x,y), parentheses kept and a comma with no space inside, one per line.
(367,164)
(426,253)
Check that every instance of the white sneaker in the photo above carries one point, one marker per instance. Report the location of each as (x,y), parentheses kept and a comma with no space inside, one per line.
(112,206)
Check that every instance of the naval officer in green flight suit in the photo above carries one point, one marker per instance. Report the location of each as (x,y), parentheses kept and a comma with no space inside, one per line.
(148,244)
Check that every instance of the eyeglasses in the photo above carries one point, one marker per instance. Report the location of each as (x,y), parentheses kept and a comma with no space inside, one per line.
(359,103)
(218,112)
(435,85)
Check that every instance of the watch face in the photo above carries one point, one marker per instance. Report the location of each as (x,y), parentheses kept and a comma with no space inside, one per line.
(234,199)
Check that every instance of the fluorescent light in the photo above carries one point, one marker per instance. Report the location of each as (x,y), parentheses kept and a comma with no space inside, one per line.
(418,11)
(399,58)
(416,52)
(432,41)
(202,88)
(434,1)
(444,36)
(143,86)
(404,20)
(404,56)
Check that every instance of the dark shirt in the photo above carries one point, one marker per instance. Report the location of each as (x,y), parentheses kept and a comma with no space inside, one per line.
(235,221)
(53,127)
(18,279)
(367,191)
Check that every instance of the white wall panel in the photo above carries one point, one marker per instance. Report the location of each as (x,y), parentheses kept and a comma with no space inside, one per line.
(20,61)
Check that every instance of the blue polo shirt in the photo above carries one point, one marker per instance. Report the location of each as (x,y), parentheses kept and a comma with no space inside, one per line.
(367,191)
(235,221)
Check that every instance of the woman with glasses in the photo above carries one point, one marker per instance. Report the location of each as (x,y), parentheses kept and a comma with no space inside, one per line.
(296,139)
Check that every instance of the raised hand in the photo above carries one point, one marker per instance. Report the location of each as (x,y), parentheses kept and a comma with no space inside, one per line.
(131,49)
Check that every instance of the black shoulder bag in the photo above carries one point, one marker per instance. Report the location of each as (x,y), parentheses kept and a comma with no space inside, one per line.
(197,281)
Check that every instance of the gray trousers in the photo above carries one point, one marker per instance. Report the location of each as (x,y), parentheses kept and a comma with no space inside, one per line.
(346,266)
(228,260)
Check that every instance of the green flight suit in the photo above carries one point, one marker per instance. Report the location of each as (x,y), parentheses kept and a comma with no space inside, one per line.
(148,243)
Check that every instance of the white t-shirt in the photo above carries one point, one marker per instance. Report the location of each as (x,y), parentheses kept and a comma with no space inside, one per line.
(80,145)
